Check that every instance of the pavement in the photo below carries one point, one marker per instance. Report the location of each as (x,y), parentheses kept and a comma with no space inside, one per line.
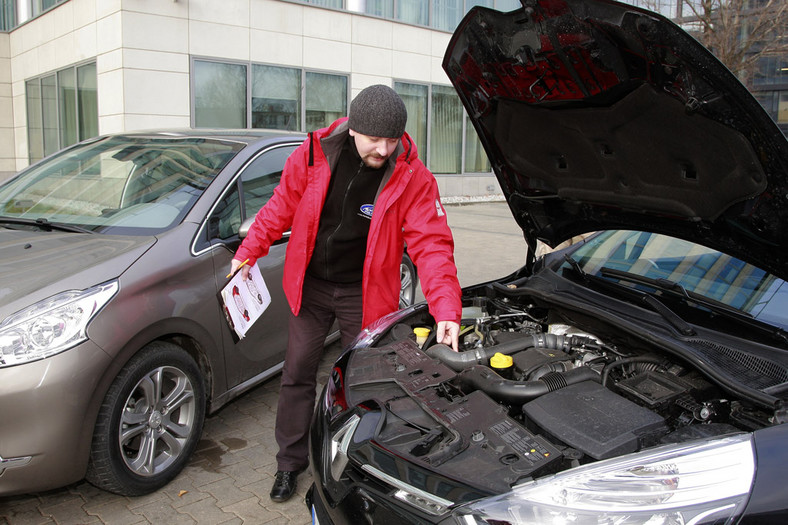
(228,479)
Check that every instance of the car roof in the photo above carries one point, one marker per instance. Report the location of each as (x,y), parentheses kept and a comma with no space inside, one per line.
(239,135)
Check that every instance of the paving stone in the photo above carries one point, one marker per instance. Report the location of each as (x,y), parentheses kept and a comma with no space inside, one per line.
(251,510)
(206,511)
(182,491)
(117,514)
(23,513)
(69,512)
(161,512)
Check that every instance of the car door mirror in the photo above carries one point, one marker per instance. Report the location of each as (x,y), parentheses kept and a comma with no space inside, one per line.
(243,231)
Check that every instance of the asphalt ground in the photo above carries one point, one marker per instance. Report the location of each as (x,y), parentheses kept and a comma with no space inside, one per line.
(228,479)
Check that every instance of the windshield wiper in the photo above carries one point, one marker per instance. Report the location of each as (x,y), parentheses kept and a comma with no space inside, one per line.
(676,289)
(715,306)
(682,326)
(45,225)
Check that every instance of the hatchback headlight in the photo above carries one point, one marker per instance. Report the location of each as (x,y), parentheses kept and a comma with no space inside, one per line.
(52,325)
(372,333)
(687,484)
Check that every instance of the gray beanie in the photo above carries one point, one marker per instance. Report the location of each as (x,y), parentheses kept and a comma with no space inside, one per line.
(378,112)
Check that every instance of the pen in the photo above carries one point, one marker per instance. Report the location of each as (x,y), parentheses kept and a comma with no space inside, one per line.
(239,267)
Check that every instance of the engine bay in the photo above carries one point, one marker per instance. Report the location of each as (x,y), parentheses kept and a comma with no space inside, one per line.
(534,390)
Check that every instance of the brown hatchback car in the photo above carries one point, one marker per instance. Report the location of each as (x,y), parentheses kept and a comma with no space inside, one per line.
(113,344)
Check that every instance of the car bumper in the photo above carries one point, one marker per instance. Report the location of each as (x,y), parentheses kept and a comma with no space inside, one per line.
(356,497)
(46,420)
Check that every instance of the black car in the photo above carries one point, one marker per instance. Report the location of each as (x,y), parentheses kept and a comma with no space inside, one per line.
(637,376)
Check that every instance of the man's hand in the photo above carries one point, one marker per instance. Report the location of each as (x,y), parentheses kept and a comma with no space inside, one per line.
(234,264)
(448,333)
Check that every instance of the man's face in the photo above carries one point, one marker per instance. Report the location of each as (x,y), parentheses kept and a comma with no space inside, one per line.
(374,150)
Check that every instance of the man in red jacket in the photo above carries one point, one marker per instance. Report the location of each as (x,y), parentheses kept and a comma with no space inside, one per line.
(352,195)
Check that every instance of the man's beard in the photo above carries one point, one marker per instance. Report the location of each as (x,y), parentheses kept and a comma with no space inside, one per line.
(374,161)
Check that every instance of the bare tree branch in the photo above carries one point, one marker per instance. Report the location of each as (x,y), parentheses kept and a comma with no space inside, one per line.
(739,32)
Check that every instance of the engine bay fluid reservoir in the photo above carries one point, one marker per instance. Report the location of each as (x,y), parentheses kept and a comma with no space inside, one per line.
(502,364)
(421,335)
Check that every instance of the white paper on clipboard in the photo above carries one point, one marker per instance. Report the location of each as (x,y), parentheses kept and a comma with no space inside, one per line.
(245,301)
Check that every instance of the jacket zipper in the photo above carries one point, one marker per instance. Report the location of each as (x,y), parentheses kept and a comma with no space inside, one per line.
(341,216)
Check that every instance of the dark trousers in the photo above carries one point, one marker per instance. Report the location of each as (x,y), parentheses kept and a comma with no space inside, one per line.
(322,303)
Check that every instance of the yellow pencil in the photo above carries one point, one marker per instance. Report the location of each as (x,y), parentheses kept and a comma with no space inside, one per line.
(239,267)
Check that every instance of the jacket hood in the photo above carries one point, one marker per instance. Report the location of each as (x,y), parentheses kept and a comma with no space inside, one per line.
(37,265)
(599,115)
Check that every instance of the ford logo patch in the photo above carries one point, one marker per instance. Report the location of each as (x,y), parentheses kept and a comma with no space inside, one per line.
(366,209)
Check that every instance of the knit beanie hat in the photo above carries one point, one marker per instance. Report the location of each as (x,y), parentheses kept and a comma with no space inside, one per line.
(378,112)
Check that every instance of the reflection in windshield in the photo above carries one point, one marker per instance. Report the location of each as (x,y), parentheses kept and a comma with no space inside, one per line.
(698,269)
(118,184)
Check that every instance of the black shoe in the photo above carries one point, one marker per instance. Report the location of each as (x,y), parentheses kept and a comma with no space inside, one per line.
(284,485)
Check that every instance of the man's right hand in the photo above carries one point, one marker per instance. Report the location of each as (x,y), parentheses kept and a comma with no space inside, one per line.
(234,264)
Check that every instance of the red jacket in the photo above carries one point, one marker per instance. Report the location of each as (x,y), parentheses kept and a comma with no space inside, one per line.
(407,210)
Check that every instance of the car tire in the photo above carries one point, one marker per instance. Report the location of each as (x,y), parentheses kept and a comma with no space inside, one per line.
(149,423)
(408,282)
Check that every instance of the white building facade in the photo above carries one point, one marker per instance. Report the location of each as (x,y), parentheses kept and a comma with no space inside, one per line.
(79,68)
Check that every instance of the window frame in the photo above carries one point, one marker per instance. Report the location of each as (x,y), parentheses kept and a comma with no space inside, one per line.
(58,131)
(249,65)
(426,153)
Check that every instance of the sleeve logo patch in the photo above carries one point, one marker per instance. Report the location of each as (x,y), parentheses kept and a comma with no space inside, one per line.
(439,208)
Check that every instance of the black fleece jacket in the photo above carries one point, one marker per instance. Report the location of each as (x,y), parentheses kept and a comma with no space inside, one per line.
(341,242)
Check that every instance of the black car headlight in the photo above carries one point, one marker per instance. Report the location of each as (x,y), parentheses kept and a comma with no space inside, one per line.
(696,483)
(374,331)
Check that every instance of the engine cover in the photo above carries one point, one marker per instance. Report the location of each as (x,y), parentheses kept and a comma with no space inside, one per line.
(595,421)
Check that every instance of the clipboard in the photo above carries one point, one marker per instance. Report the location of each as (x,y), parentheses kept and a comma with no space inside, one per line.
(243,302)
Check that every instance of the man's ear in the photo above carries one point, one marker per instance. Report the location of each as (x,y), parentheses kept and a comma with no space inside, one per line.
(352,133)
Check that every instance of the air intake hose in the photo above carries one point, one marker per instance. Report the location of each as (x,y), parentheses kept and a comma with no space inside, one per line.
(479,377)
(458,361)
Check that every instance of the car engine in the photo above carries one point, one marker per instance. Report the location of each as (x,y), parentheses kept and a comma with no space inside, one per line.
(534,391)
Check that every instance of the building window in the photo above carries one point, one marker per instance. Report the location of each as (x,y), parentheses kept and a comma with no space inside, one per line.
(7,14)
(382,8)
(484,3)
(39,6)
(275,95)
(219,95)
(782,108)
(771,70)
(446,123)
(440,14)
(507,5)
(476,160)
(416,98)
(442,124)
(326,99)
(62,109)
(413,12)
(35,128)
(446,14)
(334,4)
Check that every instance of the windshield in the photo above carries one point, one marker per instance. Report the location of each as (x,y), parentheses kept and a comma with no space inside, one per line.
(119,185)
(708,273)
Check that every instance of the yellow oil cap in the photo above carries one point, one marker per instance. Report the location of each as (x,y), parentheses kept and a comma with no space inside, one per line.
(421,335)
(500,360)
(420,331)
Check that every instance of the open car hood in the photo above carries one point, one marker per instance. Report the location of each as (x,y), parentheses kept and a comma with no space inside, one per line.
(599,115)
